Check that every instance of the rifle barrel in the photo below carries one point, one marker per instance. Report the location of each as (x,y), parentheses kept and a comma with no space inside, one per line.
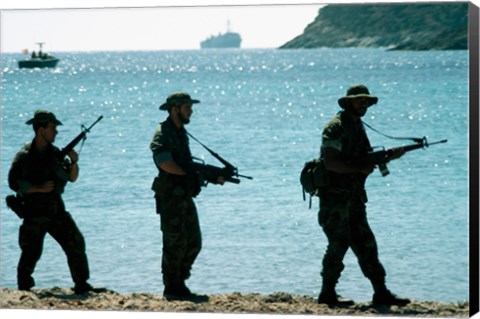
(424,144)
(248,177)
(67,149)
(438,142)
(98,120)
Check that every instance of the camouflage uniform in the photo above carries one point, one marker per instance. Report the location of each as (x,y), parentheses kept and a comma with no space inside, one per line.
(342,205)
(180,227)
(44,213)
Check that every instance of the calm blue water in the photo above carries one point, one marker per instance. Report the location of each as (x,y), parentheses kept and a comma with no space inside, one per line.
(263,110)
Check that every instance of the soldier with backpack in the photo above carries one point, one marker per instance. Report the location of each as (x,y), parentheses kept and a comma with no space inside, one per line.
(342,200)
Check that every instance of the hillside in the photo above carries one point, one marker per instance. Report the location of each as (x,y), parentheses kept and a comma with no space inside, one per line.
(422,26)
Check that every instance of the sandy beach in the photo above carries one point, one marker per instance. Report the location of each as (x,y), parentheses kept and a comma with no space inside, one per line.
(234,303)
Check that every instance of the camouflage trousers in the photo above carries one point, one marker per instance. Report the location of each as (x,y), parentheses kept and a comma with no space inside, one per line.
(60,225)
(182,240)
(344,220)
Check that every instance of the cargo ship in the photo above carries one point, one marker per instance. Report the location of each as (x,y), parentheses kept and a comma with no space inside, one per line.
(228,39)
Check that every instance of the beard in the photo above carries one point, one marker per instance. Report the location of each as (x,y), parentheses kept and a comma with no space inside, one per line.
(358,112)
(361,112)
(184,119)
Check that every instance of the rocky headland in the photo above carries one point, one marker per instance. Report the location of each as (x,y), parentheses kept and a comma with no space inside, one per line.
(395,26)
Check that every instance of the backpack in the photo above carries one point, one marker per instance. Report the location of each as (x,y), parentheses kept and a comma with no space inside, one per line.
(312,177)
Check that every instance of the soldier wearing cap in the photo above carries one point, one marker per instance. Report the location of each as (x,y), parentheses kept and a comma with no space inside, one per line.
(342,212)
(38,177)
(174,187)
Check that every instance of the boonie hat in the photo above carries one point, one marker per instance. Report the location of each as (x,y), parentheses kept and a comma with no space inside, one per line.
(176,99)
(43,116)
(357,90)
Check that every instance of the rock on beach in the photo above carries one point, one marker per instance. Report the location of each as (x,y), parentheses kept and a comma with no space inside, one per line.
(234,303)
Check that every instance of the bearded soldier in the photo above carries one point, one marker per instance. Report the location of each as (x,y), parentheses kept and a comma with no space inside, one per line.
(342,201)
(175,186)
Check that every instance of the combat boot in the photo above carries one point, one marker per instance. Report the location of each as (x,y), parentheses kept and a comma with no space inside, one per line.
(84,287)
(25,283)
(176,290)
(383,296)
(386,298)
(184,289)
(179,291)
(329,296)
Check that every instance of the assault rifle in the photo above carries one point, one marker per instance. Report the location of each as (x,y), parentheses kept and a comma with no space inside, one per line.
(61,167)
(382,157)
(210,173)
(81,137)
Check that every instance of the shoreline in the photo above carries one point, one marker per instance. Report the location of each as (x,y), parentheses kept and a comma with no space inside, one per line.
(234,303)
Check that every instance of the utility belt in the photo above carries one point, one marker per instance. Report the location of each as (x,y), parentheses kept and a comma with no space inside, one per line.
(344,194)
(35,205)
(168,185)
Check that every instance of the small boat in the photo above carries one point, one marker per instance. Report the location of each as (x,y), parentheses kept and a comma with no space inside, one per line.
(38,59)
(223,40)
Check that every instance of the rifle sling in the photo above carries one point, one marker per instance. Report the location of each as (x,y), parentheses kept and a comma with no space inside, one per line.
(414,139)
(218,157)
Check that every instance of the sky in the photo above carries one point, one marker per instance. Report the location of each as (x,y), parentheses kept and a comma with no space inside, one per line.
(151,26)
(117,25)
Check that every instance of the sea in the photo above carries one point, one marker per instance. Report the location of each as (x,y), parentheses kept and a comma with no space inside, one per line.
(263,111)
